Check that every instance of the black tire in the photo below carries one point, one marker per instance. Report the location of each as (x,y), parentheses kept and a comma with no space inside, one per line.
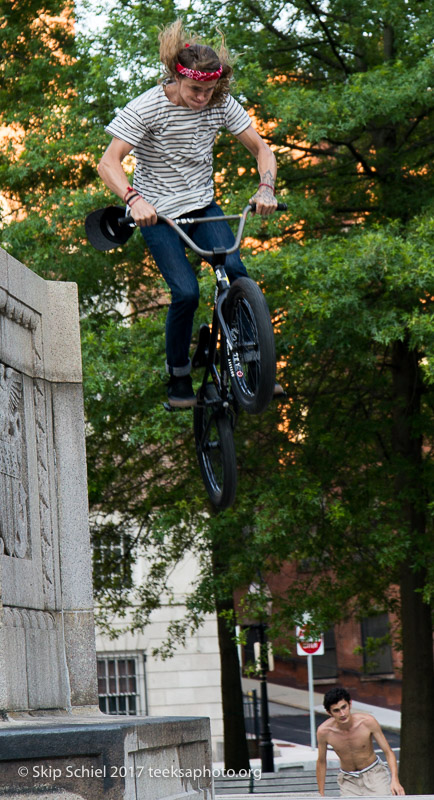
(215,449)
(252,362)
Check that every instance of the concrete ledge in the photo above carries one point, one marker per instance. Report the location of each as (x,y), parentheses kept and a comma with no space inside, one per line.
(270,796)
(106,758)
(59,795)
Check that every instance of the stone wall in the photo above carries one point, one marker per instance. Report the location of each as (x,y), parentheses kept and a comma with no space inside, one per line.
(47,650)
(110,759)
(54,743)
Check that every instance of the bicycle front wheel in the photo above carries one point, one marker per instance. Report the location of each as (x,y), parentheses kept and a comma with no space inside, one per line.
(252,361)
(215,449)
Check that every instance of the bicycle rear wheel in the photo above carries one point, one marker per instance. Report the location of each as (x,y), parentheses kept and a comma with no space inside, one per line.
(252,362)
(215,449)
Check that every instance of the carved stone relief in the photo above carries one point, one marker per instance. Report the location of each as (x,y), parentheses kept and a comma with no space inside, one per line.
(39,395)
(15,536)
(14,540)
(28,618)
(17,312)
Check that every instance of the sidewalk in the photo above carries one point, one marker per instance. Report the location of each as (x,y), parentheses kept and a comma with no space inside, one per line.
(297,698)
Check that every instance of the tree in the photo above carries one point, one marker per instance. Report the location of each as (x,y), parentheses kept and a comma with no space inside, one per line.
(355,501)
(345,92)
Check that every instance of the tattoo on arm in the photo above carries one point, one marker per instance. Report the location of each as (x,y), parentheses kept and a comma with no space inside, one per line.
(267,177)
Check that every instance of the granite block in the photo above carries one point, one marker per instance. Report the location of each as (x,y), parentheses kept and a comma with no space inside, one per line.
(108,759)
(79,633)
(47,645)
(61,334)
(17,346)
(4,682)
(43,795)
(3,270)
(15,667)
(72,504)
(46,674)
(26,286)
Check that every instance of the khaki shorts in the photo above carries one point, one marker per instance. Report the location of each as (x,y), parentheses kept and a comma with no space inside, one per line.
(375,781)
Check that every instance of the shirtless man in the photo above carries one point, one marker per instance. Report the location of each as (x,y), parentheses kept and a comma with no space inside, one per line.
(350,735)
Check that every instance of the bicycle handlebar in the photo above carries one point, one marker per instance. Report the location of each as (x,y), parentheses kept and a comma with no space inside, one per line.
(175,224)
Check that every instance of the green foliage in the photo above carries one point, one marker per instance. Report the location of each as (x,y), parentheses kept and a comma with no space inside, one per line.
(343,92)
(372,650)
(347,302)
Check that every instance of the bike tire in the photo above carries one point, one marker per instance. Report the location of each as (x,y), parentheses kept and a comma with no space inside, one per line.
(252,362)
(215,450)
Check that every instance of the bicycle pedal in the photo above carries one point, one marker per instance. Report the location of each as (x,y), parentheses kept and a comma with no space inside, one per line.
(279,393)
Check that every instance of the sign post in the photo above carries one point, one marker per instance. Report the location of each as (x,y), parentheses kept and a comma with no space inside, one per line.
(307,646)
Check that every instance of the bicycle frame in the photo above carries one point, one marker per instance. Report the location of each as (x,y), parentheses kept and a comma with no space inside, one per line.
(218,258)
(220,380)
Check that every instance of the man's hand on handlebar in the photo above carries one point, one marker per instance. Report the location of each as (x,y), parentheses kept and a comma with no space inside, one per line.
(265,200)
(143,213)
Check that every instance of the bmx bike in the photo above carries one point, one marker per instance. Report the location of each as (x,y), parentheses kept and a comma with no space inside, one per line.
(238,359)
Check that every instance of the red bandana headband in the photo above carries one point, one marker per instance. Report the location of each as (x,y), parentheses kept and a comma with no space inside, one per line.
(196,74)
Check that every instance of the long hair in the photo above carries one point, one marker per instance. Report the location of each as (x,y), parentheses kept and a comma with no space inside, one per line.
(173,40)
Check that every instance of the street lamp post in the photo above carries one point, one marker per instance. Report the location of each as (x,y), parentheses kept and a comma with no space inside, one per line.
(265,739)
(260,596)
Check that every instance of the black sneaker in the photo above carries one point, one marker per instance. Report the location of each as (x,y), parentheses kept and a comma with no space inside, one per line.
(200,355)
(180,392)
(279,391)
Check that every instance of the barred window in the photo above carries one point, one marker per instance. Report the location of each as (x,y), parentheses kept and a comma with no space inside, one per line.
(113,557)
(118,688)
(377,651)
(325,666)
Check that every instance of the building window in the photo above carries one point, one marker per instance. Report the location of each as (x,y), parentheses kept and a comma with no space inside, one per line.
(251,634)
(325,667)
(113,558)
(377,652)
(119,682)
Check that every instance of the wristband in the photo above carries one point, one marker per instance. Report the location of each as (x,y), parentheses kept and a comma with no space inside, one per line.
(269,187)
(131,197)
(135,198)
(127,191)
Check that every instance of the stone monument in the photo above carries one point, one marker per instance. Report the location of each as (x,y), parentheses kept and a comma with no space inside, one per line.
(54,743)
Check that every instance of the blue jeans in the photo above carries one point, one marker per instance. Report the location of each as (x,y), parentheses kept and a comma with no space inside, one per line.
(168,251)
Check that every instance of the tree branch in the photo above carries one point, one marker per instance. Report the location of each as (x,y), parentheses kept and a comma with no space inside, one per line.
(313,7)
(358,157)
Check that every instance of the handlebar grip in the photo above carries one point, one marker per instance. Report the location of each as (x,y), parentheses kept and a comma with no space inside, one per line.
(125,221)
(280,206)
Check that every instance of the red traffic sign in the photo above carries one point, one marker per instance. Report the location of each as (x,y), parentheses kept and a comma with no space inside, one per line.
(306,645)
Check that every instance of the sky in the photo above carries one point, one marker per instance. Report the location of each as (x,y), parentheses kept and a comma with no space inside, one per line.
(87,19)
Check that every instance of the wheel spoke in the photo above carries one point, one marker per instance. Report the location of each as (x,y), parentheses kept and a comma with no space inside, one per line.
(252,360)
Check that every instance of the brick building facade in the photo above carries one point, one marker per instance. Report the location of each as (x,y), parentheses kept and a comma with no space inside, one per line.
(359,654)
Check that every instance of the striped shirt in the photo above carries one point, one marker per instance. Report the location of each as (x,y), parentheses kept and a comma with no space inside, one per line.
(173,148)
